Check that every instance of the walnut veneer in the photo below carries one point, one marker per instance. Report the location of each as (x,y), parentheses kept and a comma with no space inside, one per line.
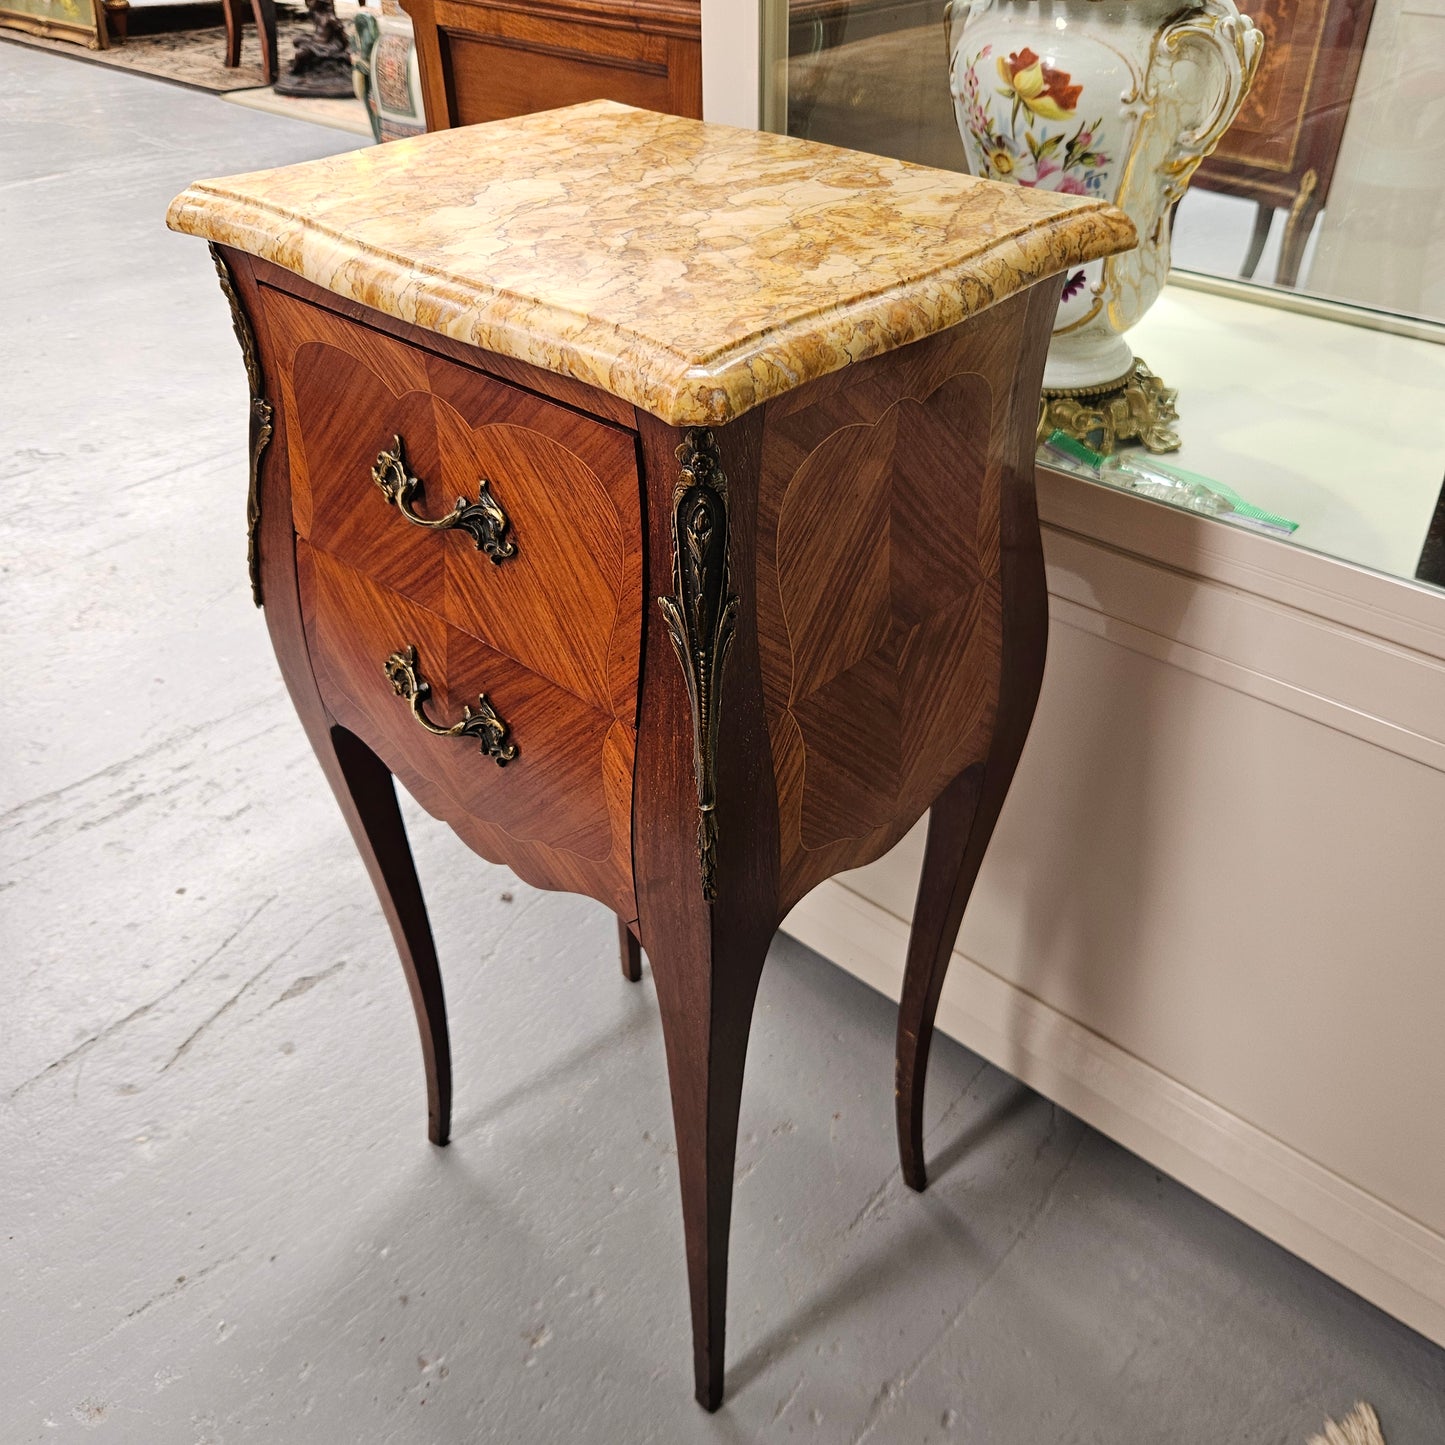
(690,671)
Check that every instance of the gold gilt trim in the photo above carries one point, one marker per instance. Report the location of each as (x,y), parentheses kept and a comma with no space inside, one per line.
(1136,407)
(1235,38)
(261,420)
(1298,206)
(701,619)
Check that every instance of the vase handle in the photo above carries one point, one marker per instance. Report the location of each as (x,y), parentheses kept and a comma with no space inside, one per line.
(1220,31)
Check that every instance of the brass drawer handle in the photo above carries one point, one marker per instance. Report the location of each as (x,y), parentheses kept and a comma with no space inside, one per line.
(483,724)
(484,520)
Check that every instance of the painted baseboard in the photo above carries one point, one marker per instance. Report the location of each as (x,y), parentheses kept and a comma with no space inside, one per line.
(1391,1260)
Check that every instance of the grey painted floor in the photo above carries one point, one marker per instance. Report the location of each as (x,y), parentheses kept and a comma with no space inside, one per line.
(220,1220)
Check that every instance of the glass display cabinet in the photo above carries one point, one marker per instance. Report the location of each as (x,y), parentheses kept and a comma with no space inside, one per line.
(1207,921)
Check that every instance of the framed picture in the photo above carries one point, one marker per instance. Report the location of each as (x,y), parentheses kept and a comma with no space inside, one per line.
(78,20)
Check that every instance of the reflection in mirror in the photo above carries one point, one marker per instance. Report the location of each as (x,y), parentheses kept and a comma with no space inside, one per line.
(1303,324)
(1332,179)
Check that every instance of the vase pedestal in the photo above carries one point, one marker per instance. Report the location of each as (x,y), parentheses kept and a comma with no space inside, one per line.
(1115,99)
(1137,406)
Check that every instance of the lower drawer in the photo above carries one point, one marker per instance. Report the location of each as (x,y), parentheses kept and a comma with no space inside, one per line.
(553,799)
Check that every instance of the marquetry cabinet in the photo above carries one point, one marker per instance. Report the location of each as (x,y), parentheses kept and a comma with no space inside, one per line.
(654,501)
(1280,151)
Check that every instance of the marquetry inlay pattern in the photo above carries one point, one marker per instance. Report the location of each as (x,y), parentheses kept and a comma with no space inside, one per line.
(885,589)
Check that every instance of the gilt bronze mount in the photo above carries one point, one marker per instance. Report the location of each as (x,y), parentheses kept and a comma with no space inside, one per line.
(1136,407)
(261,420)
(701,617)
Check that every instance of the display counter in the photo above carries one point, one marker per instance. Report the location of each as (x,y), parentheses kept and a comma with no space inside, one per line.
(1208,922)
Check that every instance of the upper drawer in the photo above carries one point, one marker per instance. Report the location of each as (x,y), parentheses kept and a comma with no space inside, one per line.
(567,600)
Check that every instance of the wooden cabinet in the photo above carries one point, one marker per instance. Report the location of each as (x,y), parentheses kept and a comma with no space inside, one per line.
(744,427)
(847,627)
(1280,152)
(489,59)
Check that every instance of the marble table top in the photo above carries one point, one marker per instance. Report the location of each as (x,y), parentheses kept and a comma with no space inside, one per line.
(694,270)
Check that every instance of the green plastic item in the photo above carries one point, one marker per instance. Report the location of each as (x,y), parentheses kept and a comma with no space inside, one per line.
(1165,483)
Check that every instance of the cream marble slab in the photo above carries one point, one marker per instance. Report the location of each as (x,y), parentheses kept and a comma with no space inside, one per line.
(693,270)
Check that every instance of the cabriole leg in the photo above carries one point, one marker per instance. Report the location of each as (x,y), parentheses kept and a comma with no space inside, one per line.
(364,788)
(1263,219)
(960,824)
(957,837)
(705,829)
(631,952)
(231,14)
(706,986)
(361,782)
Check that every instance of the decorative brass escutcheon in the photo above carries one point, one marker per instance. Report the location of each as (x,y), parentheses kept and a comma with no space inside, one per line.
(404,675)
(483,520)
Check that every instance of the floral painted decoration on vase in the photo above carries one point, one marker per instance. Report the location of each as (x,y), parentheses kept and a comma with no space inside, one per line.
(1117,100)
(1036,86)
(1038,140)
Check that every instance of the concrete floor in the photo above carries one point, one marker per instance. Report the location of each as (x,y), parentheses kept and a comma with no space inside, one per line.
(220,1220)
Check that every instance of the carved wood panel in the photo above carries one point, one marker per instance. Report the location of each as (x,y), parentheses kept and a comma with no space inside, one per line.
(567,602)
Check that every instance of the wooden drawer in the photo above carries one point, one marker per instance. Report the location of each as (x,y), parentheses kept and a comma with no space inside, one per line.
(558,811)
(567,602)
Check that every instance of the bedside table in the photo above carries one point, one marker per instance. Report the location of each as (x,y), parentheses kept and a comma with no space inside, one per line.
(655,501)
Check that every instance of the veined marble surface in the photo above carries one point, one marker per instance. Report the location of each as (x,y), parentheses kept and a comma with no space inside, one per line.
(694,270)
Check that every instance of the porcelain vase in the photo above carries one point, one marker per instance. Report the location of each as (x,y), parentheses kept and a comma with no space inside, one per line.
(1119,99)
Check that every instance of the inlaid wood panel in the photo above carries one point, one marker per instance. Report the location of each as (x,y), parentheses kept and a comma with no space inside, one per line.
(1306,78)
(559,812)
(1281,149)
(567,605)
(879,592)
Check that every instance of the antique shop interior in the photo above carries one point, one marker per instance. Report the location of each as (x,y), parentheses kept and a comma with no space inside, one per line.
(897,543)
